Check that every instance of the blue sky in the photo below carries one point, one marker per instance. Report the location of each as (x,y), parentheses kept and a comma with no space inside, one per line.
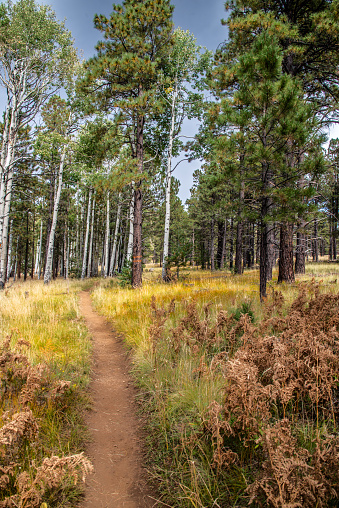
(200,17)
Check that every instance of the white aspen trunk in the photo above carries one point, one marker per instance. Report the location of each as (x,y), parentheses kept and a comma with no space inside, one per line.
(66,251)
(114,248)
(130,235)
(89,264)
(6,180)
(84,258)
(5,227)
(77,240)
(38,254)
(118,254)
(7,158)
(50,248)
(107,237)
(9,257)
(168,185)
(5,136)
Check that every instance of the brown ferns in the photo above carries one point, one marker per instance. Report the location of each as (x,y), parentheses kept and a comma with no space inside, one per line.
(22,426)
(26,388)
(51,475)
(281,380)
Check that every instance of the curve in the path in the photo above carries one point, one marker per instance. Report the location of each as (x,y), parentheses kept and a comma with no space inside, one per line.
(118,480)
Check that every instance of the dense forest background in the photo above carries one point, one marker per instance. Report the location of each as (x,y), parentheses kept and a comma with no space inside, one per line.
(87,148)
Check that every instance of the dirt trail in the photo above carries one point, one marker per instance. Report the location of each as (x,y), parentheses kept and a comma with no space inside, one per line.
(118,480)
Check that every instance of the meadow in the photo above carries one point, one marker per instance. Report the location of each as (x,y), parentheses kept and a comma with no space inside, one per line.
(44,374)
(240,399)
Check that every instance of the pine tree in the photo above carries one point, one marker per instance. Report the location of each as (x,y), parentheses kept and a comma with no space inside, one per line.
(125,74)
(308,35)
(264,118)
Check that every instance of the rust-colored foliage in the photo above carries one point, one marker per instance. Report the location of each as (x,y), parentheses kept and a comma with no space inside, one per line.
(23,389)
(282,379)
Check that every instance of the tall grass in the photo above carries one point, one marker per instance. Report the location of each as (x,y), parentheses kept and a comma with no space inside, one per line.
(44,371)
(181,354)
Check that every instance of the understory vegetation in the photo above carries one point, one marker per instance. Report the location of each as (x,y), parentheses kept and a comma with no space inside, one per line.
(241,397)
(44,371)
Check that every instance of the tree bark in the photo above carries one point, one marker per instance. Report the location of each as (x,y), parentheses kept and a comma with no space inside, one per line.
(231,245)
(89,264)
(137,223)
(5,227)
(137,239)
(38,254)
(84,258)
(300,253)
(286,272)
(107,236)
(238,248)
(115,240)
(315,241)
(9,257)
(131,227)
(50,251)
(212,246)
(168,184)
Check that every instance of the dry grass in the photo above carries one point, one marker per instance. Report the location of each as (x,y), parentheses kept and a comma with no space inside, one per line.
(44,369)
(205,453)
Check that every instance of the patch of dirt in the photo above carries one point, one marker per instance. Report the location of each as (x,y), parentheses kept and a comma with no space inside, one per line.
(115,448)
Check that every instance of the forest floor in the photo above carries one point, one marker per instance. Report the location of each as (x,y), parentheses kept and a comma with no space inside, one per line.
(115,446)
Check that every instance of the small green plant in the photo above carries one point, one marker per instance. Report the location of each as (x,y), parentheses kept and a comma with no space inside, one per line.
(125,277)
(245,308)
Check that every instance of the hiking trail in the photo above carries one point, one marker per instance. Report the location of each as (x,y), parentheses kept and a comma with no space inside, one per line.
(119,480)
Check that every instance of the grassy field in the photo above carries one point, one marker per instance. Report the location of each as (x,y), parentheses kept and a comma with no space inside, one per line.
(211,432)
(44,372)
(240,398)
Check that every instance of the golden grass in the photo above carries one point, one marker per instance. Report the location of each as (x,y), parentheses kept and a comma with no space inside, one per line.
(130,308)
(48,318)
(172,391)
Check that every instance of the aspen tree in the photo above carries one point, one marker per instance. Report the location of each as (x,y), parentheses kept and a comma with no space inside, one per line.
(35,55)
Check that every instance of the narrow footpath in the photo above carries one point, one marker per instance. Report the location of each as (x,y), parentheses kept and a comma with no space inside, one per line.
(118,480)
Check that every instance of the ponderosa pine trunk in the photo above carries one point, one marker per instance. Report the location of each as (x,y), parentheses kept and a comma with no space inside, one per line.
(131,226)
(231,245)
(265,226)
(137,223)
(270,250)
(286,271)
(263,261)
(223,252)
(315,241)
(264,242)
(212,246)
(300,254)
(137,238)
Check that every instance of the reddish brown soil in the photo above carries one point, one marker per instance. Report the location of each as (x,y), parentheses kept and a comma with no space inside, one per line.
(115,447)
